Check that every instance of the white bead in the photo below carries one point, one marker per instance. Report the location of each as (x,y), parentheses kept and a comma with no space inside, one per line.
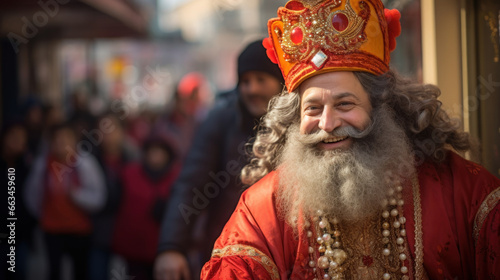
(327,237)
(402,220)
(323,262)
(403,232)
(326,276)
(335,221)
(319,212)
(391,192)
(309,233)
(394,212)
(402,257)
(333,265)
(336,244)
(329,253)
(386,233)
(385,240)
(400,240)
(339,255)
(385,214)
(322,224)
(401,202)
(312,263)
(386,276)
(397,224)
(404,269)
(311,250)
(319,240)
(307,224)
(386,252)
(385,225)
(399,188)
(393,201)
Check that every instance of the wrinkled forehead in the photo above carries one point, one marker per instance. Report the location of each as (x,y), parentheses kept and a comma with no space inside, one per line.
(333,82)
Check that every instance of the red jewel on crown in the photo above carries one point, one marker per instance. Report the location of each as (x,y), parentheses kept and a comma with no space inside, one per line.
(295,6)
(340,22)
(313,29)
(297,35)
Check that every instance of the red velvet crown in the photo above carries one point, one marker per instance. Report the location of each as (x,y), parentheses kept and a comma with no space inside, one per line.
(311,37)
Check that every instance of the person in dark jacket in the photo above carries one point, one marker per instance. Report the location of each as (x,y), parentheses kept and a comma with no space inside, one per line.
(208,185)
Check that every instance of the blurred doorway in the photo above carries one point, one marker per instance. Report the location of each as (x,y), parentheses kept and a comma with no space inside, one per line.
(484,100)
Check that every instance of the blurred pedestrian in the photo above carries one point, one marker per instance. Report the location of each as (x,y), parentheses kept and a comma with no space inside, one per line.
(32,112)
(211,167)
(62,189)
(13,160)
(140,126)
(80,115)
(146,187)
(191,100)
(113,152)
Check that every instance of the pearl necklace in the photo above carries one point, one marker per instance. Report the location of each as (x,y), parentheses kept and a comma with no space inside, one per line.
(332,252)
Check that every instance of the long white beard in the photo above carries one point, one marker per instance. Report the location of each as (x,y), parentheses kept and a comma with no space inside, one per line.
(351,184)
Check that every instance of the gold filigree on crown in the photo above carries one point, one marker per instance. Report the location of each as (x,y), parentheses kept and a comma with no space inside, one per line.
(310,3)
(311,37)
(339,30)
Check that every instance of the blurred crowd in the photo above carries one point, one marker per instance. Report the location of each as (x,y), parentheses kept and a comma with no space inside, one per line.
(96,185)
(152,189)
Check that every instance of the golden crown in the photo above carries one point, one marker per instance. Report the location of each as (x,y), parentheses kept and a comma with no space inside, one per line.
(310,37)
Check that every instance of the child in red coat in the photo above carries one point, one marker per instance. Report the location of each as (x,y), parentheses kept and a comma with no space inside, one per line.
(146,186)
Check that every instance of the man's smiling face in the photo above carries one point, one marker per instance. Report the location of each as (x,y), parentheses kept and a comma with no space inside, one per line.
(331,101)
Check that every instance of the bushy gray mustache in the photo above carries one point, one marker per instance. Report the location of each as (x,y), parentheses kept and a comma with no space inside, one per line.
(321,135)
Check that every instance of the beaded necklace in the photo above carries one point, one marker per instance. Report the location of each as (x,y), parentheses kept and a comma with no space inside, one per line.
(334,256)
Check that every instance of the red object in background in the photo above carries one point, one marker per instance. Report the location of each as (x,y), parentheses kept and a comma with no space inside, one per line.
(136,231)
(393,25)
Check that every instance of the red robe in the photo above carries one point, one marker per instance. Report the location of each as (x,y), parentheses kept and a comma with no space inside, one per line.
(460,217)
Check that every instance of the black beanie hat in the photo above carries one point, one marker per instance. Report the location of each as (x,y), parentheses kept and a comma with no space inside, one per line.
(254,58)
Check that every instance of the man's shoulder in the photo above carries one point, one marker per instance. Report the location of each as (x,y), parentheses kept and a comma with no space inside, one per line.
(223,110)
(87,162)
(262,192)
(461,175)
(469,170)
(228,102)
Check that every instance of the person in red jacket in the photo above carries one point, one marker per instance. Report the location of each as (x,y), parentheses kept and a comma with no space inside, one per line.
(355,171)
(146,186)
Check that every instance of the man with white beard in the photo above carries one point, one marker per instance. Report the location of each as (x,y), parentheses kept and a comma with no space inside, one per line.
(342,186)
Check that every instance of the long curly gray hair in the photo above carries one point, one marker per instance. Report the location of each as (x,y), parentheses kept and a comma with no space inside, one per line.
(428,127)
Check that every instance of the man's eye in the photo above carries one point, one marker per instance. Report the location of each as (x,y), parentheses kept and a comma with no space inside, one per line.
(345,104)
(312,108)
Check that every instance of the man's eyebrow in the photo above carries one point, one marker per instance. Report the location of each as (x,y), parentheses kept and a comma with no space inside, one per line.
(315,98)
(345,94)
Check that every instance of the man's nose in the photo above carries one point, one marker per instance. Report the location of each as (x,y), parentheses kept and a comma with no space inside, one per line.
(329,120)
(253,86)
